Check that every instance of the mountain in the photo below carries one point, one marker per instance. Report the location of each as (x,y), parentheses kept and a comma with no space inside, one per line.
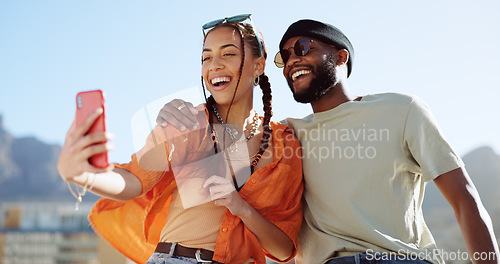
(28,169)
(8,168)
(483,167)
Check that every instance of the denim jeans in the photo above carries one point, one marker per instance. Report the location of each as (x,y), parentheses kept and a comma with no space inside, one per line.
(164,258)
(375,259)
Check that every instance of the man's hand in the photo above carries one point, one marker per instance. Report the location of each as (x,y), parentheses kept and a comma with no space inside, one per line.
(179,114)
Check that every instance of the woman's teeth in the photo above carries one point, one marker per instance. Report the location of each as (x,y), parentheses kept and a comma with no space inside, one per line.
(219,80)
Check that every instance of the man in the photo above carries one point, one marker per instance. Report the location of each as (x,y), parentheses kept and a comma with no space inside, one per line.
(366,161)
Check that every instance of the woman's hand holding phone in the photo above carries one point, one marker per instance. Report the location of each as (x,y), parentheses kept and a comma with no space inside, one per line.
(81,145)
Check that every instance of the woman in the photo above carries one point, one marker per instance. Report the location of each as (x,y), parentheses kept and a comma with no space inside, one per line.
(186,197)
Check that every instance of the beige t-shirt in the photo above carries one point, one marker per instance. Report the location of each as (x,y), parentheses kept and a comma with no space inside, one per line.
(195,227)
(365,167)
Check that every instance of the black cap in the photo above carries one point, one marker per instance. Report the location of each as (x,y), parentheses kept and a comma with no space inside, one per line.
(323,32)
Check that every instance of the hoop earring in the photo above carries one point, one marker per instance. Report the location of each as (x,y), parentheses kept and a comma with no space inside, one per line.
(256,81)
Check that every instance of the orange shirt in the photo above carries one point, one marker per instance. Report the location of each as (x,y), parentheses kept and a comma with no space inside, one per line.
(275,190)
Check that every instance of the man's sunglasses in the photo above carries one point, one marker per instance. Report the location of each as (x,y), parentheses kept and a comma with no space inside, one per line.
(234,20)
(300,48)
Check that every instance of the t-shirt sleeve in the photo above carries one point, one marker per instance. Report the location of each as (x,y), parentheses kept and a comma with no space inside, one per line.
(426,142)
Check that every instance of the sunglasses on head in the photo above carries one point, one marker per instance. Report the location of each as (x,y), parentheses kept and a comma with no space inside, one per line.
(300,48)
(233,20)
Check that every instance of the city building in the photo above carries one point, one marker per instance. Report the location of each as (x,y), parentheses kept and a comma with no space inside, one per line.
(51,233)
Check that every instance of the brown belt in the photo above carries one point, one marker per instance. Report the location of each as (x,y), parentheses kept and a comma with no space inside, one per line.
(201,255)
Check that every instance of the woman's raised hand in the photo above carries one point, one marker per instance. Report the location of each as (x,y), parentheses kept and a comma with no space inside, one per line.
(79,147)
(179,114)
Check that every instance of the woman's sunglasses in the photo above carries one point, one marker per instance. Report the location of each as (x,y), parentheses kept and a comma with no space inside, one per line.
(300,48)
(232,20)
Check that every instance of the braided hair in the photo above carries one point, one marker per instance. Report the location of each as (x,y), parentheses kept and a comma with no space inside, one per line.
(249,38)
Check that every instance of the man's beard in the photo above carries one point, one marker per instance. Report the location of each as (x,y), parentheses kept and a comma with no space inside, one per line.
(323,82)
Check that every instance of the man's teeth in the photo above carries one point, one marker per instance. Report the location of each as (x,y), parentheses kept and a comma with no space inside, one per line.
(298,73)
(218,80)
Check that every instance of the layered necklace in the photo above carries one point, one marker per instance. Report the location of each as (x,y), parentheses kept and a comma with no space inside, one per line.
(233,133)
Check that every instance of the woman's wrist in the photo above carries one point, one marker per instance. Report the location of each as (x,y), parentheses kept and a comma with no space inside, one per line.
(81,179)
(246,211)
(87,181)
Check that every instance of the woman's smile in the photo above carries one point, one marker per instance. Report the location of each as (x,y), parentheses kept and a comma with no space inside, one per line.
(220,83)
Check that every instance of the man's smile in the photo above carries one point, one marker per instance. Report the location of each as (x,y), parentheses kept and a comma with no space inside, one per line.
(299,73)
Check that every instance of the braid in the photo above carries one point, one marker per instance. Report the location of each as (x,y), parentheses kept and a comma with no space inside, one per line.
(210,101)
(266,100)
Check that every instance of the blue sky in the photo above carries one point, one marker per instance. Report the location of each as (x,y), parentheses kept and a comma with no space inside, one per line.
(446,52)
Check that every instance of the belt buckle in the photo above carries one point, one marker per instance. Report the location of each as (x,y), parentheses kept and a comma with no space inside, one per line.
(198,257)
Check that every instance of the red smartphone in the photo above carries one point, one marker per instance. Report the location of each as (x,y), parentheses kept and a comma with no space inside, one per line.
(86,103)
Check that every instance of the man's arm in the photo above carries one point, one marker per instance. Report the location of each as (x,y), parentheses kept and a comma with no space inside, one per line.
(475,223)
